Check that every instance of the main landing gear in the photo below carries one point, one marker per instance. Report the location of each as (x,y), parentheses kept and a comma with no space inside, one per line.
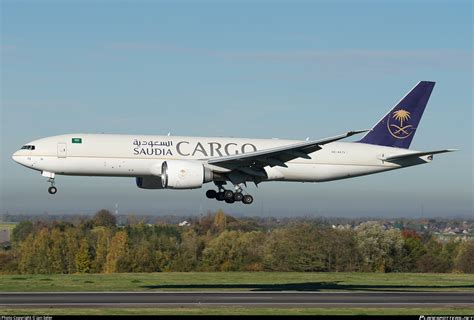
(52,189)
(229,196)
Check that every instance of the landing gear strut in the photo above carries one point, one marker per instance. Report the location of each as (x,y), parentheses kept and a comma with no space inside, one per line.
(229,196)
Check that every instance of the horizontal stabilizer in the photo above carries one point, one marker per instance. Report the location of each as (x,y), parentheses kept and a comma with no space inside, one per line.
(415,154)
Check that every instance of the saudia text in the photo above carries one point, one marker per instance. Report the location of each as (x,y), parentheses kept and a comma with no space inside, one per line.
(186,148)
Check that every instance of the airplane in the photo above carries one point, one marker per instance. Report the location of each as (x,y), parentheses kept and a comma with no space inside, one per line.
(178,162)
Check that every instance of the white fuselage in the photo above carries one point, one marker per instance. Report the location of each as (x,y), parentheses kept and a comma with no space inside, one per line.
(142,156)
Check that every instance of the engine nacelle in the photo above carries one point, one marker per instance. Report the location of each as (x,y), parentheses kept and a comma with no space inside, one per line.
(182,174)
(149,182)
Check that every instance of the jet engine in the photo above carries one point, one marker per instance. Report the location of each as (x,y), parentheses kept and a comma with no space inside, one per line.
(151,182)
(182,174)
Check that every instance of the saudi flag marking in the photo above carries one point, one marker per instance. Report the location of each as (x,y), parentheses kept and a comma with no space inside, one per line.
(76,140)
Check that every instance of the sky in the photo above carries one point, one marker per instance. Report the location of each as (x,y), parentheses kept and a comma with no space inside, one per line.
(253,69)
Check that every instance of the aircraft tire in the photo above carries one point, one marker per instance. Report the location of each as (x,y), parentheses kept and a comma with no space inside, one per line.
(238,196)
(211,194)
(228,194)
(247,199)
(52,190)
(220,196)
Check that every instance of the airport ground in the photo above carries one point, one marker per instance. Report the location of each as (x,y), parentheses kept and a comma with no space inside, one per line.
(375,284)
(235,281)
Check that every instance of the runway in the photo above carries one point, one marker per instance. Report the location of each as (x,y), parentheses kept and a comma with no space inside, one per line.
(245,299)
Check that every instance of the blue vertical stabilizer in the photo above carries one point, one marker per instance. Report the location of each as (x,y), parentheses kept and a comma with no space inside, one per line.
(397,128)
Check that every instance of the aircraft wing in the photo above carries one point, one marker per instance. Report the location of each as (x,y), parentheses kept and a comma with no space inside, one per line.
(253,162)
(415,154)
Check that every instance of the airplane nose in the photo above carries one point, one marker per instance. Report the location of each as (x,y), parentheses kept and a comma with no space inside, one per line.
(15,156)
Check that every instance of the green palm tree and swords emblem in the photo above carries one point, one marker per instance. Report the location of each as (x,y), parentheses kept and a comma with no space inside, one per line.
(400,131)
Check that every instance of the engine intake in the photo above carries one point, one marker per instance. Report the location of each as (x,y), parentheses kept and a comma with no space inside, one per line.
(152,182)
(182,174)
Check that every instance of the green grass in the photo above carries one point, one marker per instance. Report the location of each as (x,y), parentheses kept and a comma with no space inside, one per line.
(235,281)
(237,311)
(215,281)
(6,225)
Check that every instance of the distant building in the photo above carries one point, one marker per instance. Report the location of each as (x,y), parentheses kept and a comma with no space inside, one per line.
(184,223)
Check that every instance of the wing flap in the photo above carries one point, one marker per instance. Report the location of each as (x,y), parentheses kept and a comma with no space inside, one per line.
(274,162)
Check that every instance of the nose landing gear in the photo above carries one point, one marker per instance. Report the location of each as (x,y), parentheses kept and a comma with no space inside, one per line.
(52,189)
(50,175)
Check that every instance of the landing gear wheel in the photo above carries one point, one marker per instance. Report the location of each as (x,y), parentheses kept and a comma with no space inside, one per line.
(229,200)
(52,190)
(211,194)
(220,196)
(238,196)
(228,195)
(247,199)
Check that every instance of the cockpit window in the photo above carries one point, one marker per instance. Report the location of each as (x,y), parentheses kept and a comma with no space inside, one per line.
(28,147)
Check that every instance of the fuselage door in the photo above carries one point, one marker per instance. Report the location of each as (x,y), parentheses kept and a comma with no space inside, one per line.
(62,150)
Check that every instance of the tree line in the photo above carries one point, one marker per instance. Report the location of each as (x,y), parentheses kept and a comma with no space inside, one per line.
(219,242)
